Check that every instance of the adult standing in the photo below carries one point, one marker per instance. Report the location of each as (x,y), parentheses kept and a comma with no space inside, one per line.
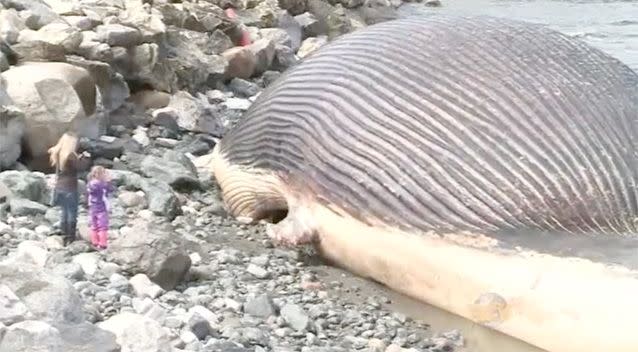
(68,164)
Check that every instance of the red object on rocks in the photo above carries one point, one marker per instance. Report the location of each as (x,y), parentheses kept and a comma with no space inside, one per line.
(245,36)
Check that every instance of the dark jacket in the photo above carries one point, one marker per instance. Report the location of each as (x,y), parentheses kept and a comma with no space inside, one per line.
(67,180)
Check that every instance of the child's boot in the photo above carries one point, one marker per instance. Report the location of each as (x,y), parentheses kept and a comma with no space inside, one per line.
(95,240)
(103,238)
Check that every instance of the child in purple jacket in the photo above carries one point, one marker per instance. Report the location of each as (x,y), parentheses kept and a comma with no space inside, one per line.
(99,188)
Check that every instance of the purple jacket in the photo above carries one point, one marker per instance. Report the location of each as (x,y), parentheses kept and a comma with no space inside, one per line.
(98,192)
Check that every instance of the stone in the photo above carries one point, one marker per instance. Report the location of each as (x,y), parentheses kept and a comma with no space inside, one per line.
(36,14)
(12,310)
(241,62)
(53,96)
(145,18)
(295,317)
(137,333)
(31,335)
(71,271)
(219,42)
(143,287)
(10,26)
(83,23)
(243,88)
(12,129)
(166,117)
(432,3)
(260,306)
(154,250)
(48,297)
(39,51)
(310,25)
(131,199)
(4,62)
(86,337)
(284,58)
(118,35)
(25,207)
(257,271)
(56,33)
(264,51)
(33,252)
(25,184)
(88,262)
(114,91)
(195,115)
(140,136)
(173,173)
(311,44)
(147,65)
(194,60)
(161,198)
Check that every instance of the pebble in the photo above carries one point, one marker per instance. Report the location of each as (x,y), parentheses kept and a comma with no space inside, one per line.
(295,317)
(144,287)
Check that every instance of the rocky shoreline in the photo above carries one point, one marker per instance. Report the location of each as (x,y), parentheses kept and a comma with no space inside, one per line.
(152,85)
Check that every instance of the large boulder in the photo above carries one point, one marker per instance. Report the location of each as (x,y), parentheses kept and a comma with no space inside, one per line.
(10,25)
(26,184)
(192,56)
(152,249)
(48,297)
(176,174)
(12,129)
(241,62)
(54,97)
(56,33)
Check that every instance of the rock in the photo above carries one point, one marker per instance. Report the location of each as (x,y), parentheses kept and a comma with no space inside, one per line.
(49,297)
(146,65)
(284,58)
(56,33)
(243,88)
(166,117)
(71,271)
(118,35)
(25,207)
(237,104)
(137,333)
(113,89)
(310,25)
(145,18)
(30,336)
(143,287)
(83,23)
(88,262)
(4,62)
(25,184)
(53,96)
(32,252)
(311,44)
(432,3)
(199,326)
(36,14)
(154,250)
(39,51)
(206,17)
(10,26)
(86,337)
(170,172)
(141,137)
(264,50)
(295,317)
(264,15)
(12,129)
(241,62)
(218,42)
(161,198)
(131,199)
(12,310)
(260,306)
(257,271)
(278,36)
(376,345)
(194,59)
(195,115)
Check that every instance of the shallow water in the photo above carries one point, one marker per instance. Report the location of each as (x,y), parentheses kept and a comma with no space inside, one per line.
(611,26)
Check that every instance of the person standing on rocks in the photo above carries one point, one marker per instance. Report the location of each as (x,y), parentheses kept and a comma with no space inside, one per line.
(68,163)
(99,188)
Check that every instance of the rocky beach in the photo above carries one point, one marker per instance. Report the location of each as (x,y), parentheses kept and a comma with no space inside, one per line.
(151,86)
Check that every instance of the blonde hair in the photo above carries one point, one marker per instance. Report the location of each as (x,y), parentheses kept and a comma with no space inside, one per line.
(59,154)
(98,172)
